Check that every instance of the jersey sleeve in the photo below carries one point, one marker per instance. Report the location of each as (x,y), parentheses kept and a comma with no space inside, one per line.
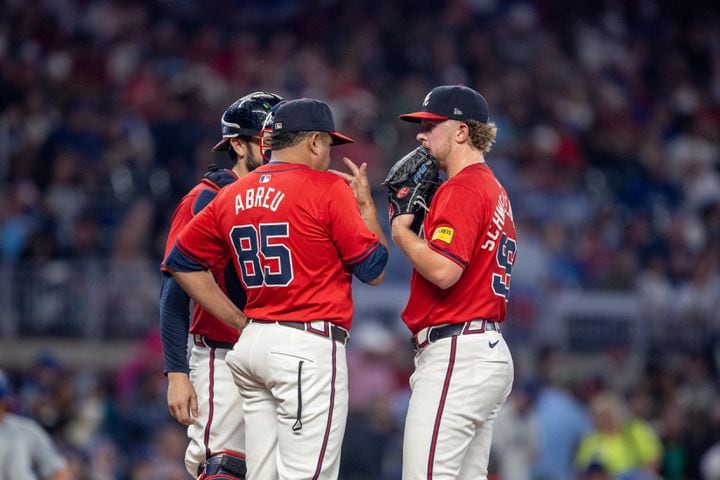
(454,228)
(181,217)
(202,240)
(348,231)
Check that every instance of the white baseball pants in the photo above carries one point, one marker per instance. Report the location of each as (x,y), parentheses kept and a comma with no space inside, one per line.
(219,425)
(294,386)
(458,387)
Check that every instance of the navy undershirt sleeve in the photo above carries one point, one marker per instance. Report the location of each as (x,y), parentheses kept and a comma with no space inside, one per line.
(180,262)
(372,266)
(174,325)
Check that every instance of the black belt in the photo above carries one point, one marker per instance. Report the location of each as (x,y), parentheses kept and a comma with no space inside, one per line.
(328,330)
(431,334)
(201,341)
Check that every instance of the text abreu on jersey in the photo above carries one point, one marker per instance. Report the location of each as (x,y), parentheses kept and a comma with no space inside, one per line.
(265,197)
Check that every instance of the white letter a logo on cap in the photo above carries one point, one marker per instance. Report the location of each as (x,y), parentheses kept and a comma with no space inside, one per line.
(427,99)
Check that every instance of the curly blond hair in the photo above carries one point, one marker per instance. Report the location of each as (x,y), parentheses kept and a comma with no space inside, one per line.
(482,135)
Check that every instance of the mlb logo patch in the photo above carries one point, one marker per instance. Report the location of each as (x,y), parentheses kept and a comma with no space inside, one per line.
(265,178)
(278,126)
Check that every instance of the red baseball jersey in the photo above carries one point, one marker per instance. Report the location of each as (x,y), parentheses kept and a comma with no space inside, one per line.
(470,222)
(294,234)
(202,322)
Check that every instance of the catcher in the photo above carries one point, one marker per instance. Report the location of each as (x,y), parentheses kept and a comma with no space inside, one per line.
(202,394)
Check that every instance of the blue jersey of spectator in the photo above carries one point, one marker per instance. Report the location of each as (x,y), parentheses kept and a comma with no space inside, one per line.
(562,421)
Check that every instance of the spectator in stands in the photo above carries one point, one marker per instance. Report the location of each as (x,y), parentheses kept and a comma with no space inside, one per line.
(619,446)
(515,435)
(561,421)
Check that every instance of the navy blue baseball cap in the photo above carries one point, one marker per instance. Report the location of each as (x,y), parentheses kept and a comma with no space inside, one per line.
(307,115)
(451,102)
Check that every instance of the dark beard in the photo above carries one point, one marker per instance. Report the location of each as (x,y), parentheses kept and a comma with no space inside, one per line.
(252,161)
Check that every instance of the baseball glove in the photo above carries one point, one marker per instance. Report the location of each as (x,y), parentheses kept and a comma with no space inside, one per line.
(411,184)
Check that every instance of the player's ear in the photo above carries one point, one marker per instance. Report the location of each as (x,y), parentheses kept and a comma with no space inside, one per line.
(314,142)
(462,133)
(238,147)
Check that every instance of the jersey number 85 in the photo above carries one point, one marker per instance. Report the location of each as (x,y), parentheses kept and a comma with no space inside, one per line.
(262,258)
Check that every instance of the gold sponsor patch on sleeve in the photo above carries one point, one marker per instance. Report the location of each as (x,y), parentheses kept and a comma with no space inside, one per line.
(444,234)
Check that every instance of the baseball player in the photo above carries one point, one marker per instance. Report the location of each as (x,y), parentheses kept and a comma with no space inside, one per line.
(458,294)
(297,234)
(202,394)
(26,449)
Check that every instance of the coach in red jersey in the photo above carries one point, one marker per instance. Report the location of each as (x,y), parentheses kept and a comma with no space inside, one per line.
(458,294)
(201,392)
(297,234)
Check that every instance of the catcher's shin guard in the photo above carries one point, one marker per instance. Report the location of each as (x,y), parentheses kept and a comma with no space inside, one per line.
(225,466)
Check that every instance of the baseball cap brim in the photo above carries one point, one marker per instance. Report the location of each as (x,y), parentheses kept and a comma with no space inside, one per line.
(417,117)
(340,139)
(221,145)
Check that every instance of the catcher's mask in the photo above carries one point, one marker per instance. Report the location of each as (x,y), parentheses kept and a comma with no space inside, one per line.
(245,117)
(266,133)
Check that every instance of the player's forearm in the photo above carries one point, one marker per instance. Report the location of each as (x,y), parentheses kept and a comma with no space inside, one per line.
(434,267)
(369,216)
(201,286)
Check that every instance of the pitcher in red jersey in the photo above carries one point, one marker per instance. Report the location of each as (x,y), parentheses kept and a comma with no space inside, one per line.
(458,294)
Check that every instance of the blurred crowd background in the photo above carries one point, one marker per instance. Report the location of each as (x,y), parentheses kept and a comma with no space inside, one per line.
(609,146)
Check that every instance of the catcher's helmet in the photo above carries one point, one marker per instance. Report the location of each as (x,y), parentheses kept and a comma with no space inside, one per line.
(245,117)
